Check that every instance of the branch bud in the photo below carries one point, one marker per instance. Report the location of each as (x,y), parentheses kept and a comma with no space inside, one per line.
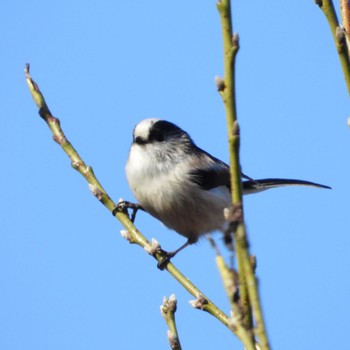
(125,234)
(153,248)
(199,303)
(340,35)
(235,40)
(235,129)
(220,83)
(96,191)
(169,305)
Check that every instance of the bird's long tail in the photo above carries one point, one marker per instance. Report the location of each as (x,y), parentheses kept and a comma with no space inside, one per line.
(254,186)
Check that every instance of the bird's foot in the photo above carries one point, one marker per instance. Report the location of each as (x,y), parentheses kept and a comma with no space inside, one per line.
(123,207)
(162,264)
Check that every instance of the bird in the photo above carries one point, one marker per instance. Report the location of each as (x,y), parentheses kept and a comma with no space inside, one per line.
(182,185)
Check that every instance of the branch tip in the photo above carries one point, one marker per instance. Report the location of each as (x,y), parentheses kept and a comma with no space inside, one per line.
(36,94)
(169,305)
(27,70)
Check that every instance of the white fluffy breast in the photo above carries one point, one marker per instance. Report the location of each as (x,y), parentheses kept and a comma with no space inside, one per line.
(166,191)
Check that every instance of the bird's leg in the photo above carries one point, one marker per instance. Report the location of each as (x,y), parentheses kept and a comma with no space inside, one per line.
(123,206)
(168,255)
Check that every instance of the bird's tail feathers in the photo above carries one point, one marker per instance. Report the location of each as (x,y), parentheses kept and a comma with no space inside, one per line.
(254,186)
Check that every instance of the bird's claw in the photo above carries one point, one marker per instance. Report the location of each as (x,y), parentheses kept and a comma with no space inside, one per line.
(162,264)
(123,207)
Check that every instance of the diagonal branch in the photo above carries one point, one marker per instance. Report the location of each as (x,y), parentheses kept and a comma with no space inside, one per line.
(131,234)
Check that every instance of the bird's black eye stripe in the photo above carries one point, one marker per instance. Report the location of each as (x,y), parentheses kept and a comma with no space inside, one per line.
(156,134)
(163,129)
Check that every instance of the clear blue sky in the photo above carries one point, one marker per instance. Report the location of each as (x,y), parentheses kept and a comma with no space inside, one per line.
(68,279)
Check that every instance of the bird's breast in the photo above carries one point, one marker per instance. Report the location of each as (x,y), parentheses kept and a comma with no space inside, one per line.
(167,193)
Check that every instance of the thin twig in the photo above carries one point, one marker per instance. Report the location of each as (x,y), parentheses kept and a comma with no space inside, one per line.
(345,18)
(339,36)
(168,309)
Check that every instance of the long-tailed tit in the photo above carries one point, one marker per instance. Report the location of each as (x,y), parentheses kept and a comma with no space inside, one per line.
(181,185)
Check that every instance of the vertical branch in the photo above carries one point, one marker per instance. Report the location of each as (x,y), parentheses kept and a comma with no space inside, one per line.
(227,91)
(226,86)
(345,18)
(168,309)
(339,36)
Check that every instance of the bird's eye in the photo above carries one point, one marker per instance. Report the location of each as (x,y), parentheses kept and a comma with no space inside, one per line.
(139,140)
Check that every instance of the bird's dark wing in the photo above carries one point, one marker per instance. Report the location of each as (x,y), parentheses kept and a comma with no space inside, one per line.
(211,177)
(209,172)
(253,186)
